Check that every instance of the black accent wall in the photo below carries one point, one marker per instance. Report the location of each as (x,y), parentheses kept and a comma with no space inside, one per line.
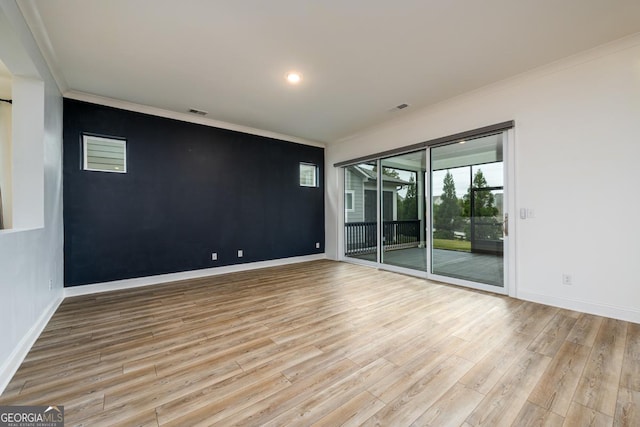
(190,190)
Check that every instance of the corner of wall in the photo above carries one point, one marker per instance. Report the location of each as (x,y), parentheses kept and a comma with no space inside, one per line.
(10,366)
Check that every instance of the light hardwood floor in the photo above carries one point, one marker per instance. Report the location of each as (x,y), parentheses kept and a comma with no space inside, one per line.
(327,343)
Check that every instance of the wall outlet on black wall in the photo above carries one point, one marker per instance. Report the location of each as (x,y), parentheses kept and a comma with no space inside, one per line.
(225,189)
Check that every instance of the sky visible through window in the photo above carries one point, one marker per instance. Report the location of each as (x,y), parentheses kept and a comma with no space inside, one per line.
(493,173)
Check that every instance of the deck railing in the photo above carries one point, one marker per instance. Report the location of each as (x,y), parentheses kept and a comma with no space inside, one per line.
(361,237)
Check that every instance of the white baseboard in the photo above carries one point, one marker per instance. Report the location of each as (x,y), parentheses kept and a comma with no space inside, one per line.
(614,312)
(11,365)
(183,275)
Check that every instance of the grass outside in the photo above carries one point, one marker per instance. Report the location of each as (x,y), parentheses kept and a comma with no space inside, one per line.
(455,245)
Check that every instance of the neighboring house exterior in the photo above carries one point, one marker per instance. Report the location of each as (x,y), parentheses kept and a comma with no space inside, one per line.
(361,204)
(360,195)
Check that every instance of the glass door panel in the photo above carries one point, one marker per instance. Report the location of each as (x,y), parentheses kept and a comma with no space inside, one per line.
(403,211)
(360,211)
(467,210)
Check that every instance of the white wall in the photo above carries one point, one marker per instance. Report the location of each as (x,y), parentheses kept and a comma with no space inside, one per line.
(577,142)
(27,153)
(30,256)
(5,164)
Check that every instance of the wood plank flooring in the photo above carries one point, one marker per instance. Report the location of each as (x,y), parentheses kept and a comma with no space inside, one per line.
(327,344)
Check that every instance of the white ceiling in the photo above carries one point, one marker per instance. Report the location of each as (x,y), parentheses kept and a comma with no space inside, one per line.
(359,58)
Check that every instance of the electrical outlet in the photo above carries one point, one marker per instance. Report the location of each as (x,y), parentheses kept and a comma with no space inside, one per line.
(240,253)
(50,284)
(567,279)
(317,245)
(214,256)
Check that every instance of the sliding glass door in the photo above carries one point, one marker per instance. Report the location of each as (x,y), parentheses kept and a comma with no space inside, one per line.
(361,211)
(467,210)
(437,212)
(403,211)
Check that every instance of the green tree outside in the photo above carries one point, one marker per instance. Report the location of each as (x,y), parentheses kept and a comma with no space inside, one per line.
(484,210)
(408,206)
(446,215)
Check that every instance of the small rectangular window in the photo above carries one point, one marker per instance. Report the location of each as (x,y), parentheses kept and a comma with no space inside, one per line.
(308,175)
(348,200)
(104,154)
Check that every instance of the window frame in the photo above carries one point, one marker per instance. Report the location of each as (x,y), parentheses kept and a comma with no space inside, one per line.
(315,175)
(85,141)
(351,193)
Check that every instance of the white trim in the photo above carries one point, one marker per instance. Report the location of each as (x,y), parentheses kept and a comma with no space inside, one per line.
(509,206)
(509,285)
(13,362)
(339,255)
(379,207)
(359,261)
(314,184)
(449,280)
(430,278)
(614,312)
(85,151)
(621,313)
(577,59)
(20,230)
(184,117)
(428,190)
(32,17)
(420,274)
(184,275)
(508,259)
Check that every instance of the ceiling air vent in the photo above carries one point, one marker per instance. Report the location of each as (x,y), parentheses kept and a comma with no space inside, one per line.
(198,112)
(398,108)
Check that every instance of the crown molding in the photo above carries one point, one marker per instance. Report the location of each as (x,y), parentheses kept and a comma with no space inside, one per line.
(33,19)
(160,112)
(574,60)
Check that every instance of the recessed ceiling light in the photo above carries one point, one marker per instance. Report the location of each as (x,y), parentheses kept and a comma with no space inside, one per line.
(293,77)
